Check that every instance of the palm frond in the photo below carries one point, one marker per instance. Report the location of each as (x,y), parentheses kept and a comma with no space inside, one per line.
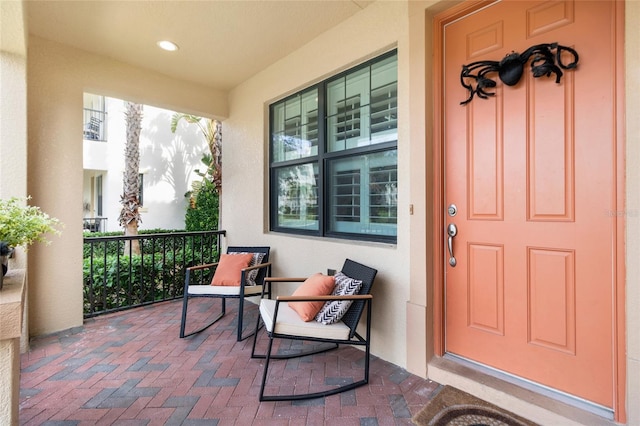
(191,119)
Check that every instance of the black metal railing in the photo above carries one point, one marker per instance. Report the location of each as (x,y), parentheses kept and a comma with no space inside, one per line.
(115,278)
(95,125)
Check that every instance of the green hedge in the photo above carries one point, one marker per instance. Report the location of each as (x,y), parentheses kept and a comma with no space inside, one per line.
(114,281)
(204,215)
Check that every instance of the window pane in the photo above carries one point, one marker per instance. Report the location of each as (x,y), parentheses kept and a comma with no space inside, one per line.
(383,194)
(140,189)
(384,100)
(99,194)
(294,131)
(347,195)
(362,107)
(336,109)
(384,114)
(384,72)
(348,111)
(297,202)
(364,194)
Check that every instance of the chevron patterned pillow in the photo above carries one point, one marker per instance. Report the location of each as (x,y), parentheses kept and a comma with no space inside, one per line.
(252,275)
(334,310)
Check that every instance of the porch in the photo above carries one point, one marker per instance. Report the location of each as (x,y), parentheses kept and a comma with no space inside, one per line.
(58,73)
(132,367)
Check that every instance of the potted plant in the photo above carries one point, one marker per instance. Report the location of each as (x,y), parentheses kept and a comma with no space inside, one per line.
(22,225)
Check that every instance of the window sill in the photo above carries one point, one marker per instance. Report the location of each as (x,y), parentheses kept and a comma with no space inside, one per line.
(338,240)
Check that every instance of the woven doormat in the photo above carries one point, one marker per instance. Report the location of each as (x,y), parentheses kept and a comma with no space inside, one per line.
(453,407)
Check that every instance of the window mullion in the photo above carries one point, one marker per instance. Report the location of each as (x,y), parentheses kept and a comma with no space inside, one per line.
(322,150)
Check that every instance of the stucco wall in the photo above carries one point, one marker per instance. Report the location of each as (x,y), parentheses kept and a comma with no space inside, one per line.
(13,180)
(57,76)
(376,29)
(13,126)
(13,101)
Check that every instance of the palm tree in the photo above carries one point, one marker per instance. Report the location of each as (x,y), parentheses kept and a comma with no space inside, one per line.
(130,215)
(212,131)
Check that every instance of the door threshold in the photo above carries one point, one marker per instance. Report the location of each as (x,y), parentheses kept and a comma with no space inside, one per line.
(527,399)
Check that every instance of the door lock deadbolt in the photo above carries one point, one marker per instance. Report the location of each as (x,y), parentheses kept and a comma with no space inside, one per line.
(452,210)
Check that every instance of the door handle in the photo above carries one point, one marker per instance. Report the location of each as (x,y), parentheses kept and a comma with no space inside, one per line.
(452,231)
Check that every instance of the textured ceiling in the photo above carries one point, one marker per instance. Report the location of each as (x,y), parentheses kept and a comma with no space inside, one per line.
(222,43)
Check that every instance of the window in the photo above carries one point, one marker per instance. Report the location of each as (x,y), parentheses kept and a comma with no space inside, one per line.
(141,189)
(334,156)
(95,117)
(99,194)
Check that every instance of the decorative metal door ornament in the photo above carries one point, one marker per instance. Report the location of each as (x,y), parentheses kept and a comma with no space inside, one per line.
(510,68)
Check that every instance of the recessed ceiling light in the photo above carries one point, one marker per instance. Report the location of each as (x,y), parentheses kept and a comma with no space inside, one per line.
(167,45)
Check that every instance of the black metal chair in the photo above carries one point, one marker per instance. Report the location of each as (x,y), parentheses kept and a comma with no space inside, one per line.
(281,322)
(245,289)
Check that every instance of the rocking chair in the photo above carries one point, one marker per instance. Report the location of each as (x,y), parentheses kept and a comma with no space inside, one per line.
(236,277)
(281,321)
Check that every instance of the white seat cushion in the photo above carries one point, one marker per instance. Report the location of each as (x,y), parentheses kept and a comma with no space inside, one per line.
(289,322)
(223,290)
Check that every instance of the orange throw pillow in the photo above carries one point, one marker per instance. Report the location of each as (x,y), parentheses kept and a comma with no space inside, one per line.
(229,269)
(315,285)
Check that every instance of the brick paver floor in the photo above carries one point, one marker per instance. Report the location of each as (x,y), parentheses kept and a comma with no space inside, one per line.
(131,368)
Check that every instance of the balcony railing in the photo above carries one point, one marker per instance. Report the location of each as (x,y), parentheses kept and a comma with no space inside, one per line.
(95,125)
(114,278)
(94,224)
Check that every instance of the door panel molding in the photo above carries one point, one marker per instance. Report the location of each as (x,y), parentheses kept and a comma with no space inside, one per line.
(551,292)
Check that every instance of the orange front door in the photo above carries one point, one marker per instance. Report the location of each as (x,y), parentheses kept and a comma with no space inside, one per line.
(532,172)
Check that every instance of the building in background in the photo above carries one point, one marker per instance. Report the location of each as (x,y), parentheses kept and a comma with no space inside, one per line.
(167,164)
